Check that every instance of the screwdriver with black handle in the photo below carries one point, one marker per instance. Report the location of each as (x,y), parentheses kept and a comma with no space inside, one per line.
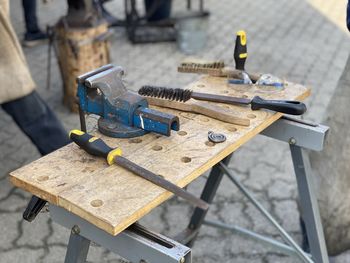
(97,147)
(240,53)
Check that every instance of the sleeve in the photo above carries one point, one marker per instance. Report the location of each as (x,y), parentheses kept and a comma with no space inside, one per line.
(15,77)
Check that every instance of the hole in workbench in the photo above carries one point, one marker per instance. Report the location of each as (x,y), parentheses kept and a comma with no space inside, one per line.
(225,106)
(96,203)
(251,116)
(182,133)
(203,119)
(224,91)
(157,148)
(43,178)
(244,96)
(186,159)
(200,85)
(210,144)
(232,129)
(135,140)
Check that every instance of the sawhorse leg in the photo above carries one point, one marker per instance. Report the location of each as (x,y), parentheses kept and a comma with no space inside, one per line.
(189,235)
(309,206)
(135,244)
(298,134)
(78,248)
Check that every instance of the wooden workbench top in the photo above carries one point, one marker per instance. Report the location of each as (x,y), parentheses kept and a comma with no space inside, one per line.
(113,198)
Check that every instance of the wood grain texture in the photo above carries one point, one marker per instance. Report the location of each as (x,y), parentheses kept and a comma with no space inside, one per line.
(203,108)
(113,198)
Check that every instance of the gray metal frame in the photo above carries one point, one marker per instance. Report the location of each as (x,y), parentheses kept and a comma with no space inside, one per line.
(308,204)
(150,247)
(135,244)
(299,134)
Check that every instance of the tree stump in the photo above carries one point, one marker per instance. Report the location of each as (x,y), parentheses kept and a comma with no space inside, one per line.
(78,51)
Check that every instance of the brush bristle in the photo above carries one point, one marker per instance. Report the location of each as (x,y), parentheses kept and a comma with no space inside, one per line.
(166,93)
(208,65)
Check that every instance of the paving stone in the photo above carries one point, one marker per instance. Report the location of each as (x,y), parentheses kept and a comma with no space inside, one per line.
(247,258)
(279,258)
(60,235)
(260,224)
(261,176)
(210,247)
(287,38)
(232,213)
(5,189)
(9,230)
(13,203)
(287,212)
(54,254)
(228,191)
(238,246)
(22,255)
(34,233)
(282,190)
(176,217)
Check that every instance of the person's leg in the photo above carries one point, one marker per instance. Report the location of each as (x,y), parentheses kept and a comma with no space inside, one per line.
(38,122)
(158,9)
(33,35)
(31,21)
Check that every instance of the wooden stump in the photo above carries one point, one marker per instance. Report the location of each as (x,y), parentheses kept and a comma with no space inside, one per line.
(78,51)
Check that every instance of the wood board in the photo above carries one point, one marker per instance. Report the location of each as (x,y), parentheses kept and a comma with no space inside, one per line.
(112,198)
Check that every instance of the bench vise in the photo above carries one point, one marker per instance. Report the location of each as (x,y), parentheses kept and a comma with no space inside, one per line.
(124,114)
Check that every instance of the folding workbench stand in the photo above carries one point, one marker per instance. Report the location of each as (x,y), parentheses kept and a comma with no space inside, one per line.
(138,244)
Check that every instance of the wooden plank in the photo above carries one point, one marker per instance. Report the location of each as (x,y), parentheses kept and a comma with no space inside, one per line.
(202,107)
(113,198)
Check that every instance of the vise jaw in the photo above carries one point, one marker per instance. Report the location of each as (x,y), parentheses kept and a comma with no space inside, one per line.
(124,114)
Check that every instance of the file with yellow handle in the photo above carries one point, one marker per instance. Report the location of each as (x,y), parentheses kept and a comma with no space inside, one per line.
(97,147)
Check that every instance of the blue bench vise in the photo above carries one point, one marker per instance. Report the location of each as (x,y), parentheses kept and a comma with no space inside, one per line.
(124,114)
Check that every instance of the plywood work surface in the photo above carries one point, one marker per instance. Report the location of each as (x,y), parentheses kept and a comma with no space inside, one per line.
(113,198)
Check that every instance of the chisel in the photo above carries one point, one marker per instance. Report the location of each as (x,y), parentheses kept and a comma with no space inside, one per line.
(97,147)
(285,106)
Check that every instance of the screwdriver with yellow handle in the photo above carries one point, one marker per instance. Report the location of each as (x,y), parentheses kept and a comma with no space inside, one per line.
(240,53)
(97,147)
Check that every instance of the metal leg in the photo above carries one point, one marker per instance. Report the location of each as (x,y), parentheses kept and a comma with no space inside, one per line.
(189,4)
(78,248)
(300,253)
(189,235)
(309,205)
(135,244)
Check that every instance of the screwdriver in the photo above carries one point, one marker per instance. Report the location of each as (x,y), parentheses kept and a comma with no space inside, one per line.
(97,147)
(240,53)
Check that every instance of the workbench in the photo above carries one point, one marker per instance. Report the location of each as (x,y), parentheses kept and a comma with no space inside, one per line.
(83,190)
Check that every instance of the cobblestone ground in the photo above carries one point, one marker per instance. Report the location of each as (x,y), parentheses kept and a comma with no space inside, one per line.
(298,40)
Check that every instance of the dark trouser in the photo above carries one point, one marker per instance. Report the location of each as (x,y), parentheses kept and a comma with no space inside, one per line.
(159,9)
(38,122)
(31,21)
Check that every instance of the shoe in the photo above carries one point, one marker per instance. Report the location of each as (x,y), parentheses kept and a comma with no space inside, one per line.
(33,39)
